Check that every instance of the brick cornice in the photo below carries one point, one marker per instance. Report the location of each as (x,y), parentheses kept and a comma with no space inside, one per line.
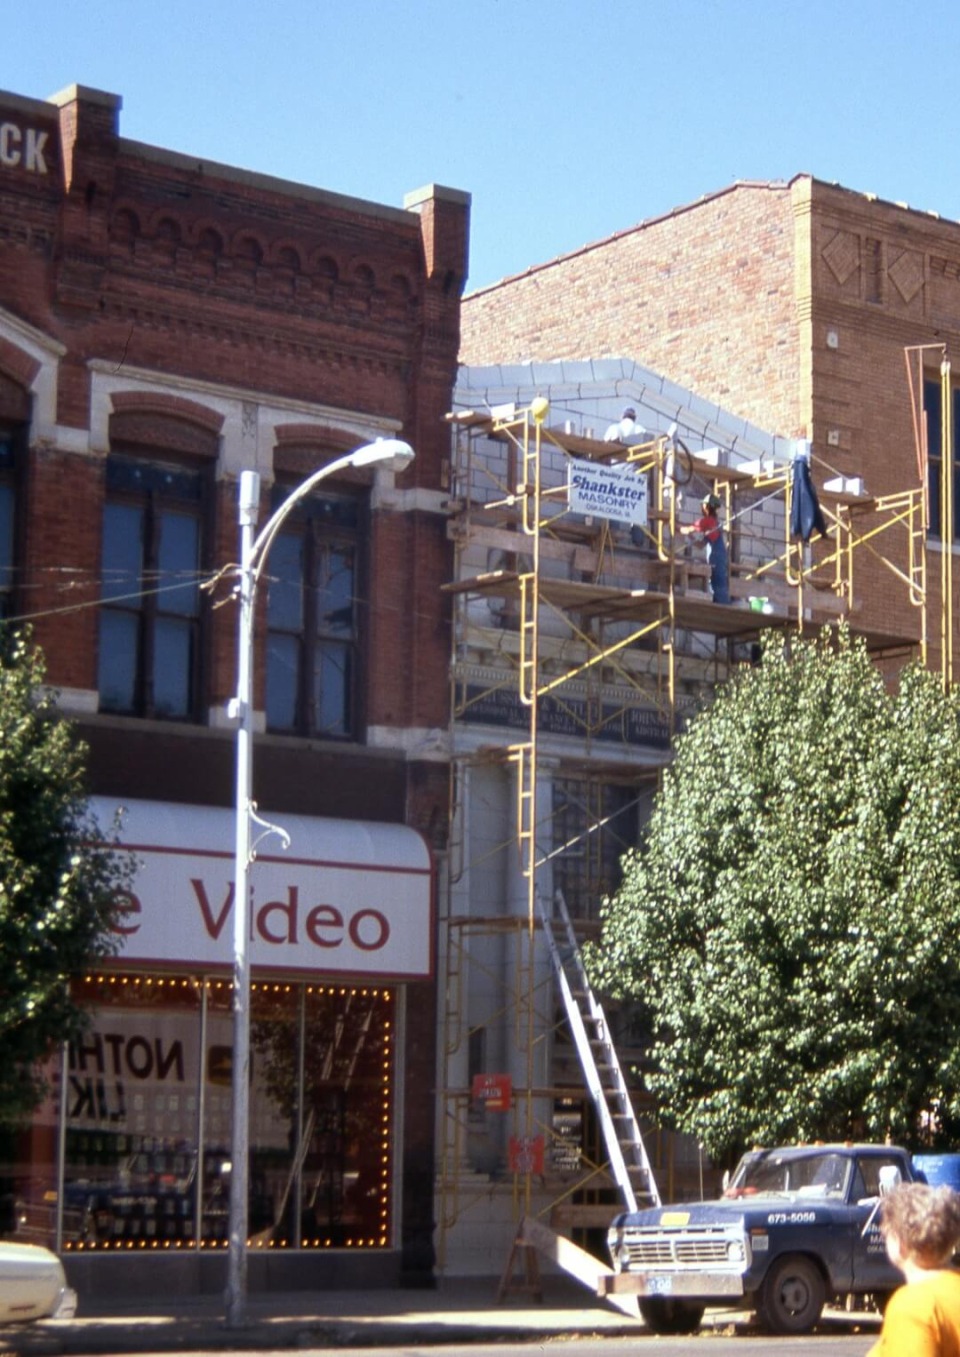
(873,319)
(298,435)
(302,342)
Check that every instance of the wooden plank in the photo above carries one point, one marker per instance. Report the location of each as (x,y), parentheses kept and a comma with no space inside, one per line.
(573,1260)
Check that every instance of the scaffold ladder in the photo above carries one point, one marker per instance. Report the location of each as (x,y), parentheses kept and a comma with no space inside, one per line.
(628,1160)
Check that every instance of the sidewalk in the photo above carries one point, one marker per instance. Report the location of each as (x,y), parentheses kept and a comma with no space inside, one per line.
(458,1311)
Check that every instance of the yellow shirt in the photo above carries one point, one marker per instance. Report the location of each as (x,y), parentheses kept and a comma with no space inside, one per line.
(922,1319)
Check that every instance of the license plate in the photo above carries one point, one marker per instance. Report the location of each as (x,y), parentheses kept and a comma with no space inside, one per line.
(659,1286)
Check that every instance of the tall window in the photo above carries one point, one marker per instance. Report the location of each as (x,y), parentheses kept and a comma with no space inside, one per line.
(594,824)
(933,406)
(150,616)
(312,640)
(8,520)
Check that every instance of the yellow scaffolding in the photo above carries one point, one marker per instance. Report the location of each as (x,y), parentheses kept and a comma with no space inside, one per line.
(602,626)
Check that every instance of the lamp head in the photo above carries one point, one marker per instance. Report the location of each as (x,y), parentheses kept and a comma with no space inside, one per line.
(391,453)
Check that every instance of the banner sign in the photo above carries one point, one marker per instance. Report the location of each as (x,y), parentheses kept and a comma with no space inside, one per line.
(347,896)
(600,490)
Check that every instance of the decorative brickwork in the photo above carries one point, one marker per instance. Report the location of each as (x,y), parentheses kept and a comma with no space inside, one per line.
(230,321)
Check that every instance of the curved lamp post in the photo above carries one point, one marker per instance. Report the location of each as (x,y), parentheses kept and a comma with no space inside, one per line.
(385,452)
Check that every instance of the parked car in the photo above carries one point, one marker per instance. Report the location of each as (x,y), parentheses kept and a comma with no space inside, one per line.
(33,1285)
(795,1227)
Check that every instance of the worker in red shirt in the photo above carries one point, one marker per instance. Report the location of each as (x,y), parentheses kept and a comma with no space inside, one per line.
(711,534)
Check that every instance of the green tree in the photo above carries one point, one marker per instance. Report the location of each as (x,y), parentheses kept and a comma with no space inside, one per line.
(789,925)
(59,883)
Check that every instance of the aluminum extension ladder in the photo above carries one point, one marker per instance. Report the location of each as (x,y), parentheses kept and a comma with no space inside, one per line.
(628,1160)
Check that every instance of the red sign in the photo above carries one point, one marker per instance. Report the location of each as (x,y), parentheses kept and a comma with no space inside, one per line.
(526,1154)
(493,1091)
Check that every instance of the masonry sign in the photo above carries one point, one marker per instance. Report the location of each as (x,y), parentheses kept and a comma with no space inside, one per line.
(25,148)
(616,491)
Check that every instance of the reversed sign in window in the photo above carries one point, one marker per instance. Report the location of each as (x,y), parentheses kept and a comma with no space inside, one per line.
(493,1092)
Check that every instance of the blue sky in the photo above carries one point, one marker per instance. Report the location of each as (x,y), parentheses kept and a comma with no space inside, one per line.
(566,120)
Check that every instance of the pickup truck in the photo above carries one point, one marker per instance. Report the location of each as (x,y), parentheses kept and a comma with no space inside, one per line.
(794,1227)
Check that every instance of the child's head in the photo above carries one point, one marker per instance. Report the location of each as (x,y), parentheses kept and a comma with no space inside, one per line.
(924,1221)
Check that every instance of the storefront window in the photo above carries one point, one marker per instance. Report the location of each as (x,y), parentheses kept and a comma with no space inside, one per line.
(147,1106)
(346,1189)
(133,1115)
(322,1067)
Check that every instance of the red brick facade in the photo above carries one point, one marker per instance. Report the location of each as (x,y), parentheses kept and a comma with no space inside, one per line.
(131,269)
(790,304)
(153,302)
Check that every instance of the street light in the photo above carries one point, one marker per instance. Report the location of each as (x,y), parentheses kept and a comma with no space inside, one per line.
(385,452)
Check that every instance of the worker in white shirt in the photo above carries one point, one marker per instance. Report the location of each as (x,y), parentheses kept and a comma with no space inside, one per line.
(626,430)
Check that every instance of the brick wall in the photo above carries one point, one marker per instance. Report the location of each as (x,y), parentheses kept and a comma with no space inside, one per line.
(141,262)
(203,313)
(790,304)
(704,295)
(879,280)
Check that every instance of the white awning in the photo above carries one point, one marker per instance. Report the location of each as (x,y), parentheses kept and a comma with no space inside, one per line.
(347,897)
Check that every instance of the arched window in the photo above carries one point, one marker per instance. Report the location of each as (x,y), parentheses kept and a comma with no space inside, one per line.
(157,500)
(313,634)
(150,615)
(12,452)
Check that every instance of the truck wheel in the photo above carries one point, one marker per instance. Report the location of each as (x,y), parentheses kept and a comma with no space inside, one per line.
(792,1296)
(663,1315)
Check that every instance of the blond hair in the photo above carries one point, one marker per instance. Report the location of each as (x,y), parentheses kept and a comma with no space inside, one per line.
(925,1221)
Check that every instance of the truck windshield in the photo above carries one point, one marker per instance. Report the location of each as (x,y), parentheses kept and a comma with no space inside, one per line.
(813,1175)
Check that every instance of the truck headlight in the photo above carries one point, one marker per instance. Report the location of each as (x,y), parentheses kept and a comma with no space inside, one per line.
(619,1254)
(736,1253)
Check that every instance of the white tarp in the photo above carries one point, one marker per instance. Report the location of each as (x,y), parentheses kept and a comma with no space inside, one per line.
(348,896)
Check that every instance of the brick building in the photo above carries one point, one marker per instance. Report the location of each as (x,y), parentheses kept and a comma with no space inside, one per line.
(165,324)
(791,304)
(767,326)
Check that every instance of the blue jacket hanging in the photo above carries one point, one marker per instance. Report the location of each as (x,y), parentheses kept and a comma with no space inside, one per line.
(805,512)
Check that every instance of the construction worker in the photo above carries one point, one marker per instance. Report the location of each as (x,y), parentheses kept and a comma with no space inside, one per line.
(710,532)
(626,430)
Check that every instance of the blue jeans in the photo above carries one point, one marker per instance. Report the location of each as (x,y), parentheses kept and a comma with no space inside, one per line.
(719,570)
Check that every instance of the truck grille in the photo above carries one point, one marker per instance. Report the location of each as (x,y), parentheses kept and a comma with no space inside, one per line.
(705,1248)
